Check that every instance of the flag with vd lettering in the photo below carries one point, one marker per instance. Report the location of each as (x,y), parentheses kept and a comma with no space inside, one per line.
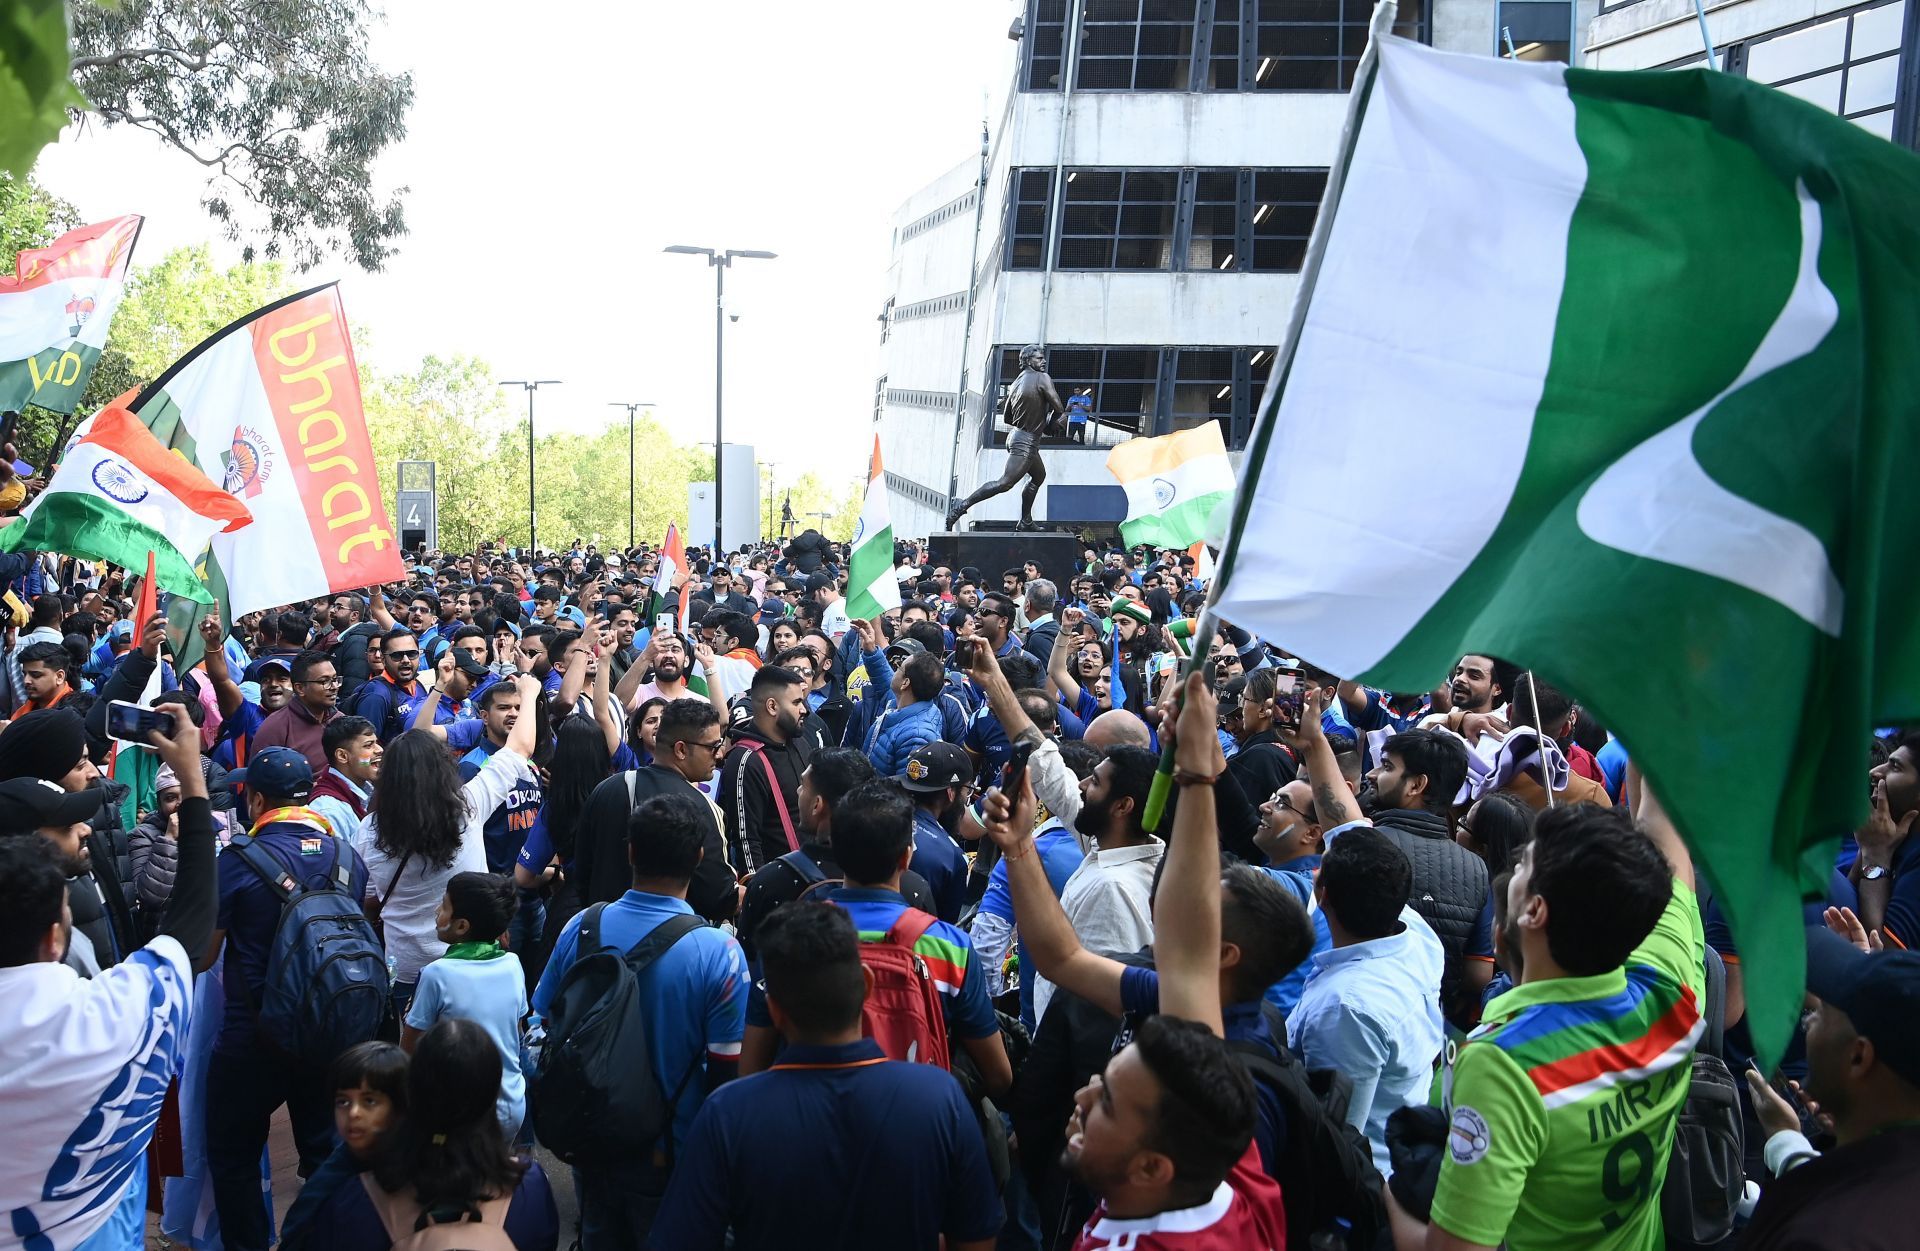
(1653,336)
(270,409)
(55,310)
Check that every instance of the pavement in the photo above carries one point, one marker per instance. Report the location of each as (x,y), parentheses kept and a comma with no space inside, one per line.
(286,1185)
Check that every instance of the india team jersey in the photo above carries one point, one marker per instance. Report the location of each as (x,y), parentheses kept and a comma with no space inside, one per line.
(84,1068)
(1564,1100)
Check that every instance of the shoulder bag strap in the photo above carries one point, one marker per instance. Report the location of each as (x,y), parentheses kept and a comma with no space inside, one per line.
(909,927)
(664,936)
(374,907)
(633,777)
(270,871)
(587,940)
(759,752)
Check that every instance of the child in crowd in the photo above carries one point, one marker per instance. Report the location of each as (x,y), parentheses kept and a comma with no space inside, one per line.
(369,1100)
(478,979)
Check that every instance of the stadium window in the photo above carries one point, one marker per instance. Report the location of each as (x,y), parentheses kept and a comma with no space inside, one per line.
(1118,219)
(1046,38)
(1285,203)
(1138,45)
(1848,65)
(1027,248)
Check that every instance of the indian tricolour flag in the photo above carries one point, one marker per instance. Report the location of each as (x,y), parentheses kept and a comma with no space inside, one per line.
(55,312)
(121,497)
(1647,345)
(1173,484)
(670,581)
(270,408)
(872,586)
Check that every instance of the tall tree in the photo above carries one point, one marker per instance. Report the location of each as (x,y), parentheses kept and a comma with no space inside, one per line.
(30,217)
(276,98)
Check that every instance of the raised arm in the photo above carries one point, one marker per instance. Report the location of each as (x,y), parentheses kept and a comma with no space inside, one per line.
(1333,803)
(717,693)
(1652,817)
(1186,909)
(377,609)
(603,645)
(225,690)
(636,674)
(1055,948)
(1060,661)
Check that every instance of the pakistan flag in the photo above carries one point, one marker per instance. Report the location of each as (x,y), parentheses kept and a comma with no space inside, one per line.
(1644,350)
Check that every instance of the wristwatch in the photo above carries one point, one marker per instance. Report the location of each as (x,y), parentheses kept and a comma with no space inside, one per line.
(1873,872)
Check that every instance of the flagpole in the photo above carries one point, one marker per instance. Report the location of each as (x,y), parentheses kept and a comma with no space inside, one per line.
(1208,625)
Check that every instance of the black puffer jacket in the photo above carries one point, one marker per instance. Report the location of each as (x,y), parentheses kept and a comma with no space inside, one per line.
(808,551)
(1449,886)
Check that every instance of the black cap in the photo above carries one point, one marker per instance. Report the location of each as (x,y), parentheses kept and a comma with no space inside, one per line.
(465,663)
(1879,992)
(937,766)
(28,804)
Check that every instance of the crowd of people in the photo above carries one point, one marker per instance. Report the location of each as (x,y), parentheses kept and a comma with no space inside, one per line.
(764,925)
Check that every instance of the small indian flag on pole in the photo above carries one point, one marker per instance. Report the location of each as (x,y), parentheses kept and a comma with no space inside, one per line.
(119,496)
(872,587)
(1173,484)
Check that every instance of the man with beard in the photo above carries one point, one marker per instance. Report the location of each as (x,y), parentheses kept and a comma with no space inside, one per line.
(1413,789)
(380,699)
(666,656)
(686,752)
(939,776)
(1107,898)
(1863,1073)
(1479,690)
(301,722)
(241,717)
(760,783)
(343,613)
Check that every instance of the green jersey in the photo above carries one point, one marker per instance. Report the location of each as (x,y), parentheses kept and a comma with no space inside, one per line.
(1564,1101)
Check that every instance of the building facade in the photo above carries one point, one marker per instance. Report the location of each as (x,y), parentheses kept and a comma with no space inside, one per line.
(1141,206)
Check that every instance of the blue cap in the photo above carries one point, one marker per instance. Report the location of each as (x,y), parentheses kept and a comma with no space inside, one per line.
(574,615)
(278,773)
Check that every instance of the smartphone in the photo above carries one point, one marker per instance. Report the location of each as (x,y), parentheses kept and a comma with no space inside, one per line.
(131,723)
(663,623)
(963,651)
(1016,768)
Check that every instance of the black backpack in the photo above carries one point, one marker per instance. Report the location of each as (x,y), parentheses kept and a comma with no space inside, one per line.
(1706,1175)
(326,986)
(595,1097)
(1324,1165)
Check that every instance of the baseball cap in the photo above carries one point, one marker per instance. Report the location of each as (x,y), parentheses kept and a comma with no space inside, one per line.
(465,663)
(1879,992)
(279,772)
(937,766)
(772,609)
(574,615)
(35,803)
(905,647)
(819,582)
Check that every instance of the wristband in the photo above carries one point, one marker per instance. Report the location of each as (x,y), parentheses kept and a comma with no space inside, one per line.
(1182,777)
(1026,849)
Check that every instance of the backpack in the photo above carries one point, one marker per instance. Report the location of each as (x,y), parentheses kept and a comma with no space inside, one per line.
(1706,1176)
(326,986)
(1324,1165)
(595,1097)
(904,1012)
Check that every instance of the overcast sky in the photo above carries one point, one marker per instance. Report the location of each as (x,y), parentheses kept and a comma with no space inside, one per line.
(549,161)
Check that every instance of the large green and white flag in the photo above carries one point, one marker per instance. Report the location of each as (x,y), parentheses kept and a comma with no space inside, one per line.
(1650,345)
(55,311)
(872,586)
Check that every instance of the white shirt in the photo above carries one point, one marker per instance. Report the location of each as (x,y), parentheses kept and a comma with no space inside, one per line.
(1372,1011)
(84,1068)
(415,896)
(834,620)
(1106,900)
(1054,785)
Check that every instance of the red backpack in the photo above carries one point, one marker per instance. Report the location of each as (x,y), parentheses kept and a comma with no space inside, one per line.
(904,1012)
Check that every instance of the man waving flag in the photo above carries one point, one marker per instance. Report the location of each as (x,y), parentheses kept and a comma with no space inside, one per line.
(1661,378)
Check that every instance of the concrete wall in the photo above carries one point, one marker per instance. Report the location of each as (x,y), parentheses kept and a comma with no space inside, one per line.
(1656,32)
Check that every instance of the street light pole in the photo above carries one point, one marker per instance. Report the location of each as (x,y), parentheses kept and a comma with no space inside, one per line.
(533,539)
(721,261)
(631,409)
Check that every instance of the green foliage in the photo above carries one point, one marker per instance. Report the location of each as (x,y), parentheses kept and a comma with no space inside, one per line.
(276,98)
(30,217)
(169,308)
(447,411)
(36,88)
